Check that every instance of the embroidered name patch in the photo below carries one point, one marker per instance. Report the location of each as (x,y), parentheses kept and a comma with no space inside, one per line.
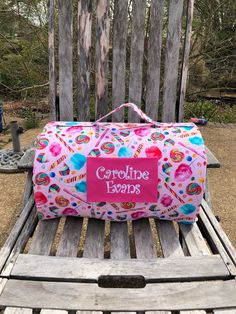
(122,179)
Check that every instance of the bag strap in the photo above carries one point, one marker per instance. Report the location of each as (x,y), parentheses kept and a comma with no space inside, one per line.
(135,108)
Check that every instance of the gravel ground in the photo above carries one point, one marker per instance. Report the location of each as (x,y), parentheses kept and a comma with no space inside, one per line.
(222,141)
(222,181)
(12,187)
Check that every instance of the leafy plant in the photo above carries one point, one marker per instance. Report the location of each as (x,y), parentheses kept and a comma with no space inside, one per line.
(223,113)
(31,120)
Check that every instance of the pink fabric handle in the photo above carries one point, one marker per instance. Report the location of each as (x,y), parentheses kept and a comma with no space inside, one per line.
(135,108)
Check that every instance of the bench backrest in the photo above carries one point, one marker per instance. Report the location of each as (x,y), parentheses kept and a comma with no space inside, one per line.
(117,55)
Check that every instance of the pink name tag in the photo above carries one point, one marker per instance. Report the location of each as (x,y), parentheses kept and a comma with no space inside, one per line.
(122,179)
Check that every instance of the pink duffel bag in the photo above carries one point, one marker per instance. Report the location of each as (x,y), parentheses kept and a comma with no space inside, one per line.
(119,171)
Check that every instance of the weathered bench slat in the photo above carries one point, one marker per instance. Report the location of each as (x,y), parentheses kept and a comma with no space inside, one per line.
(194,240)
(193,312)
(22,240)
(28,188)
(212,161)
(185,62)
(45,311)
(169,240)
(51,60)
(42,242)
(84,47)
(172,60)
(195,244)
(3,282)
(157,312)
(225,311)
(15,232)
(207,193)
(136,55)
(65,60)
(94,242)
(215,242)
(85,296)
(17,310)
(143,239)
(219,231)
(102,50)
(88,312)
(120,247)
(41,267)
(119,57)
(154,58)
(68,245)
(123,312)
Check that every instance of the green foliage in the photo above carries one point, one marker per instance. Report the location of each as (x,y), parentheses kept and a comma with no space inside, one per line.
(212,59)
(223,113)
(23,48)
(24,51)
(31,120)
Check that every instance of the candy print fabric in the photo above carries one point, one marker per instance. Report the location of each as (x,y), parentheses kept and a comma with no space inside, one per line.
(61,152)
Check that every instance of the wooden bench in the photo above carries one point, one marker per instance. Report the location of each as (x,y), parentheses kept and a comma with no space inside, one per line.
(77,264)
(74,265)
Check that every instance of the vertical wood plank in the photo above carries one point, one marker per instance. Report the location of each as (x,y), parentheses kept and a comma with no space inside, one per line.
(65,60)
(84,62)
(119,57)
(169,240)
(102,50)
(172,60)
(28,188)
(69,241)
(143,239)
(136,57)
(42,242)
(154,58)
(194,240)
(51,61)
(94,242)
(207,193)
(120,248)
(184,71)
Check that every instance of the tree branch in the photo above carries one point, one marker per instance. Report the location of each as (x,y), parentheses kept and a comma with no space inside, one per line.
(25,88)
